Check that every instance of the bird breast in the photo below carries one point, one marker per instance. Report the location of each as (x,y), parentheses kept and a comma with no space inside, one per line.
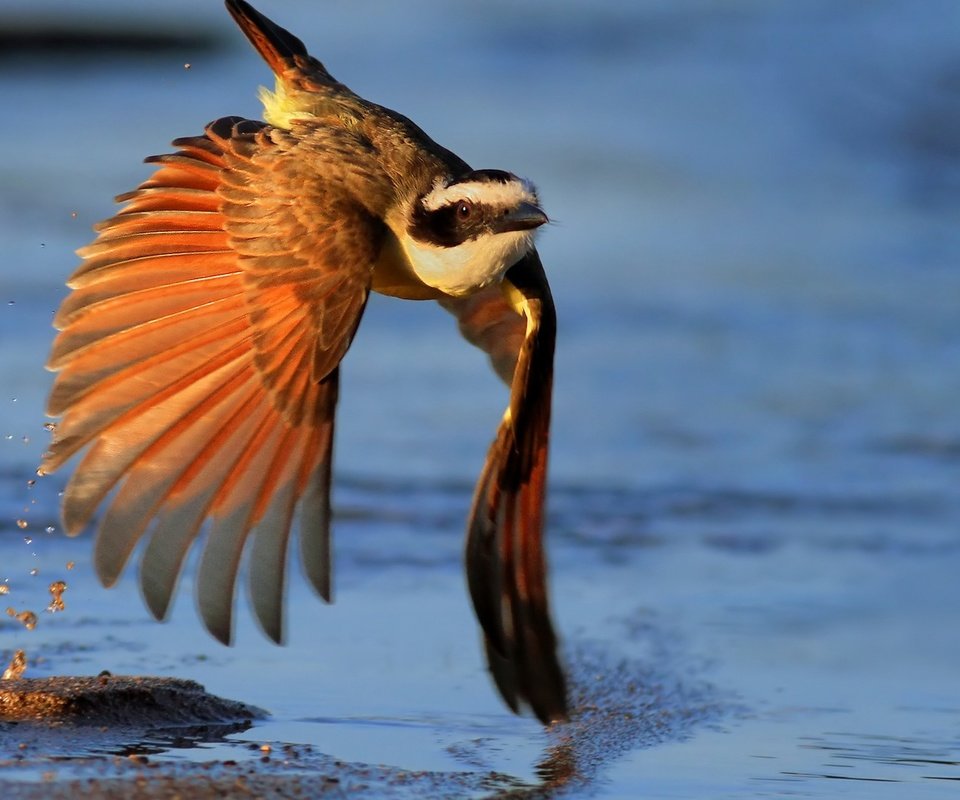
(467,266)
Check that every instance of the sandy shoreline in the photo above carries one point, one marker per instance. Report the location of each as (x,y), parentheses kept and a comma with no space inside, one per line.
(107,736)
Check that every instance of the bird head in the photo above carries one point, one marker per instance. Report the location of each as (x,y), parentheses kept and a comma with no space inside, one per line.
(465,232)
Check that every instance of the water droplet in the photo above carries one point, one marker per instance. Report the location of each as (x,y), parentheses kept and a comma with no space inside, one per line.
(32,482)
(18,666)
(71,564)
(50,529)
(34,572)
(28,618)
(22,524)
(4,588)
(49,426)
(57,588)
(28,540)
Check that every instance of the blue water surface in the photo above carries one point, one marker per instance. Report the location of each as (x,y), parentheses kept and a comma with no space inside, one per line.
(756,454)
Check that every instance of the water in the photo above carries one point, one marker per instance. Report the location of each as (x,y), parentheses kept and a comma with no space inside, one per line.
(756,451)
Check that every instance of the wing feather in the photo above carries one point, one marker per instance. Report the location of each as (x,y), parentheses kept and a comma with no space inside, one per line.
(149,272)
(197,361)
(233,517)
(149,481)
(126,437)
(506,567)
(138,350)
(97,399)
(191,497)
(315,479)
(272,515)
(489,322)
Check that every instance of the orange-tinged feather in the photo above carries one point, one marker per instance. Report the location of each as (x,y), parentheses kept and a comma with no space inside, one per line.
(179,221)
(89,418)
(133,355)
(190,500)
(271,517)
(141,238)
(231,510)
(115,314)
(132,286)
(122,440)
(314,485)
(181,448)
(90,331)
(168,198)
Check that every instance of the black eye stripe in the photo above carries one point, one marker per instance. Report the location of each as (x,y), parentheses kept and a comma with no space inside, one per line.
(446,226)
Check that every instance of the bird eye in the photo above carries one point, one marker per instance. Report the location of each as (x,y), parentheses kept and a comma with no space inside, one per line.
(464,209)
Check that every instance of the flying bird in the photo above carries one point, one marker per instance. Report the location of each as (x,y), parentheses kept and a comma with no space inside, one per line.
(199,350)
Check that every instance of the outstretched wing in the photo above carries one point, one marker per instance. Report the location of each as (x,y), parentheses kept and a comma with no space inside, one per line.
(506,567)
(197,362)
(489,322)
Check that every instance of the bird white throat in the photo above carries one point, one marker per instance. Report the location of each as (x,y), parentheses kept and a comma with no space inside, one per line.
(469,266)
(490,220)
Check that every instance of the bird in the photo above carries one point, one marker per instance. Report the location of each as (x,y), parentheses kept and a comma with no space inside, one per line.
(198,354)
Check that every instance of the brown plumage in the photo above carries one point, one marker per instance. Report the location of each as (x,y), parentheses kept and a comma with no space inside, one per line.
(199,351)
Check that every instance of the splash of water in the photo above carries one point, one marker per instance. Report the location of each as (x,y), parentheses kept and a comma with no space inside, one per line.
(57,588)
(28,618)
(18,665)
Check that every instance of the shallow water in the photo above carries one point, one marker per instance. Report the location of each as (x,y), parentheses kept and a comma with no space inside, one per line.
(754,511)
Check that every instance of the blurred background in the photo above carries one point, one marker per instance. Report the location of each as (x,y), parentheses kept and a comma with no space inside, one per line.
(756,448)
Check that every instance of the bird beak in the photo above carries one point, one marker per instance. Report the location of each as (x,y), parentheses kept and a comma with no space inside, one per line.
(523,218)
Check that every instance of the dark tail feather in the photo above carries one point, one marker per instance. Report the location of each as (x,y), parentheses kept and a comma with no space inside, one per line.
(277,46)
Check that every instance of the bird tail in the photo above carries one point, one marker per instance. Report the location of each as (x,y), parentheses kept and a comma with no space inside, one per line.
(303,85)
(278,47)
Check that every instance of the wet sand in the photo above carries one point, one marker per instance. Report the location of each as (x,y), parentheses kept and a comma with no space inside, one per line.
(116,701)
(110,736)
